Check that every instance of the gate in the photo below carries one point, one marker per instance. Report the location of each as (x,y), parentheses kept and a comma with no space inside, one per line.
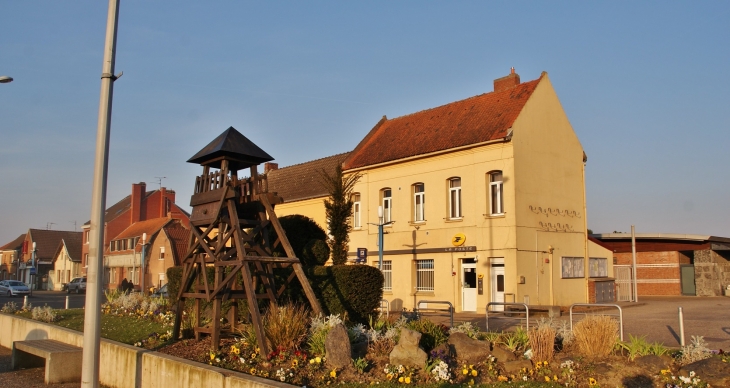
(624,289)
(688,279)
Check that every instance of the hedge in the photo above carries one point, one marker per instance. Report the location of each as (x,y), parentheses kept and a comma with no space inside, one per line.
(351,290)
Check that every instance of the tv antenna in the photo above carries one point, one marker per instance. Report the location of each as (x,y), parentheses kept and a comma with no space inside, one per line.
(73,222)
(49,225)
(159,180)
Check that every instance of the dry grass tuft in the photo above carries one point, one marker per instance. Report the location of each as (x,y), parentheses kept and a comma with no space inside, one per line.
(542,341)
(596,335)
(286,326)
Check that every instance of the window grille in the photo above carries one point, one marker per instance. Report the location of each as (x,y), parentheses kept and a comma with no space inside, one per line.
(388,275)
(424,275)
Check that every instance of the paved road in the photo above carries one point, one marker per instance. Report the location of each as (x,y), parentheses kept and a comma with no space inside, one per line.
(55,299)
(655,317)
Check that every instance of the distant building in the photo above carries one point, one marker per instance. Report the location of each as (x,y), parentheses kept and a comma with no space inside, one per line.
(38,254)
(670,264)
(66,263)
(126,222)
(9,257)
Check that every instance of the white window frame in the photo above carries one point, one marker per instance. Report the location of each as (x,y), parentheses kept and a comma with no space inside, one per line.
(387,271)
(419,202)
(598,267)
(572,267)
(387,203)
(455,198)
(425,275)
(496,194)
(356,211)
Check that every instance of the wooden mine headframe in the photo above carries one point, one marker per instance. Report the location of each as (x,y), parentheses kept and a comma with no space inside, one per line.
(231,223)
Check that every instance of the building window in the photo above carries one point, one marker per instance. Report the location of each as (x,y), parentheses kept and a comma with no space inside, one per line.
(455,198)
(162,253)
(387,203)
(496,204)
(572,267)
(424,275)
(387,274)
(356,211)
(598,267)
(419,202)
(86,237)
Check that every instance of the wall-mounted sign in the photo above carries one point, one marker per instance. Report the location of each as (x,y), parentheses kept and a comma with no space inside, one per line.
(362,253)
(458,240)
(461,249)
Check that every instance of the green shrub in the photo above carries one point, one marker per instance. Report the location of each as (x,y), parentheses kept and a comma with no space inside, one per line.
(302,233)
(353,291)
(433,334)
(316,252)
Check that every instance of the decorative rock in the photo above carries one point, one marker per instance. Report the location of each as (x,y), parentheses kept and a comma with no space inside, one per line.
(468,349)
(652,362)
(711,370)
(512,367)
(407,352)
(337,347)
(502,355)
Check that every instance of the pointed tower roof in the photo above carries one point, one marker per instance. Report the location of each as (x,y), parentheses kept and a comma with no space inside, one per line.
(234,147)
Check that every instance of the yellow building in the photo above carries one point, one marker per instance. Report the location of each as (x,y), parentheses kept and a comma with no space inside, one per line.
(484,202)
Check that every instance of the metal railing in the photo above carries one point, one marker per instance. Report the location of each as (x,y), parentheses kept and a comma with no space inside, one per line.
(620,314)
(526,312)
(387,307)
(451,308)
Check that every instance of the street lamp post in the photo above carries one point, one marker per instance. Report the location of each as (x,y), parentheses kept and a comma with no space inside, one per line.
(380,225)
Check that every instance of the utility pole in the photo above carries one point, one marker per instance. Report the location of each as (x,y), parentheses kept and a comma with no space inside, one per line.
(633,264)
(92,321)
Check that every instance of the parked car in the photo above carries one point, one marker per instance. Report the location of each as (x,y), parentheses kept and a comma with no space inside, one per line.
(77,285)
(161,292)
(13,288)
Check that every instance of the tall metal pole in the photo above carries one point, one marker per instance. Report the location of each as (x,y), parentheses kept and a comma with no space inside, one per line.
(92,321)
(633,264)
(141,266)
(380,238)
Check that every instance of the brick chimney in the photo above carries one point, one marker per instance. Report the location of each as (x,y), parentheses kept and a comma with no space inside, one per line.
(508,82)
(268,166)
(138,192)
(163,202)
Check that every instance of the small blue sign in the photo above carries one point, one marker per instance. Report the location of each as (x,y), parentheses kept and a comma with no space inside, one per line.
(32,271)
(362,253)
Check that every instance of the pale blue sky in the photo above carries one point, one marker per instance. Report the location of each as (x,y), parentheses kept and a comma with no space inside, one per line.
(645,85)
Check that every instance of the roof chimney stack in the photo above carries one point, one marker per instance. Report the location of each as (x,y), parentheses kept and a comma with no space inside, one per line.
(268,166)
(507,82)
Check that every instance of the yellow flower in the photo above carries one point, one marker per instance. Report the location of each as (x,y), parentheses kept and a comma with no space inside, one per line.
(390,376)
(311,361)
(295,363)
(464,371)
(502,378)
(665,371)
(400,379)
(333,373)
(474,372)
(252,371)
(555,377)
(318,360)
(408,380)
(592,381)
(544,363)
(212,356)
(547,379)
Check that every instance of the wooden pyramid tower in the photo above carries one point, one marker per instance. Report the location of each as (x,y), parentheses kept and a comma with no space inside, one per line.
(231,223)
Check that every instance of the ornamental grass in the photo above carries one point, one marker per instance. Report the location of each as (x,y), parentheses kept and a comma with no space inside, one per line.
(595,335)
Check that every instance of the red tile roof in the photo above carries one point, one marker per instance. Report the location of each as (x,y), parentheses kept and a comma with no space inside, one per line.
(151,227)
(14,245)
(179,240)
(471,121)
(47,241)
(302,181)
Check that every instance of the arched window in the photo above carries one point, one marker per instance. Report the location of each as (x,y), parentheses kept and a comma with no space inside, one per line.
(496,204)
(419,202)
(455,198)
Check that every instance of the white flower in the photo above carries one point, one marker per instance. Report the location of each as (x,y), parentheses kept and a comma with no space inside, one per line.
(692,374)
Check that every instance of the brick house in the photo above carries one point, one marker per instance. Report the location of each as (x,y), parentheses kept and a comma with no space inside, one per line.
(46,244)
(140,205)
(9,254)
(670,264)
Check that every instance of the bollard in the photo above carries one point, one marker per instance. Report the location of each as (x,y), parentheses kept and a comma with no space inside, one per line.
(681,327)
(66,302)
(25,301)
